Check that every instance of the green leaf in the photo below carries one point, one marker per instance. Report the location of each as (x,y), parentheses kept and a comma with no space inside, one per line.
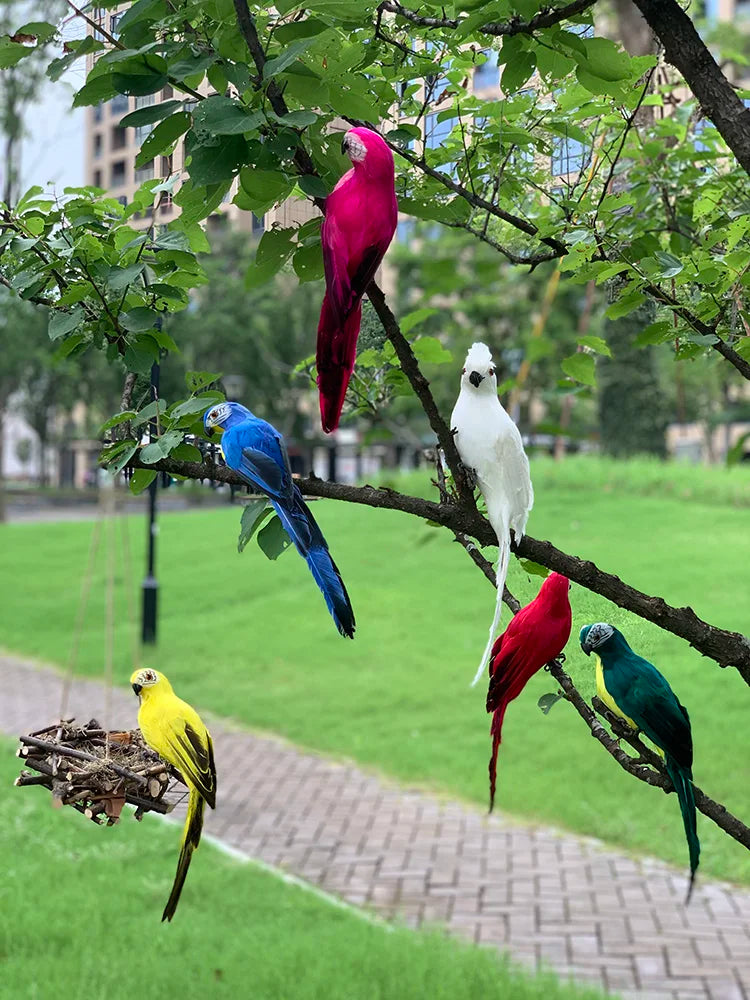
(430,351)
(254,514)
(192,406)
(737,452)
(275,247)
(139,319)
(224,116)
(669,266)
(605,59)
(120,277)
(626,304)
(141,480)
(151,113)
(216,161)
(313,186)
(263,188)
(299,119)
(138,359)
(160,448)
(11,52)
(273,539)
(548,700)
(199,380)
(517,70)
(534,568)
(416,317)
(277,65)
(162,137)
(61,323)
(185,452)
(121,453)
(308,262)
(580,367)
(119,418)
(655,333)
(596,344)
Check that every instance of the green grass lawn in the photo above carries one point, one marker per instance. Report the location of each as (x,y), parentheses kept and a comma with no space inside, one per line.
(80,910)
(251,639)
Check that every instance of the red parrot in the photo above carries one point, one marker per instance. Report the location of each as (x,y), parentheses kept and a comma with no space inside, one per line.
(536,635)
(360,220)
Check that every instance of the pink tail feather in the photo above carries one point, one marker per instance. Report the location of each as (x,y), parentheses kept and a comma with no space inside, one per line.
(337,350)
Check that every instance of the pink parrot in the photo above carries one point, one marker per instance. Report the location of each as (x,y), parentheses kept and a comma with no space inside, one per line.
(536,635)
(360,220)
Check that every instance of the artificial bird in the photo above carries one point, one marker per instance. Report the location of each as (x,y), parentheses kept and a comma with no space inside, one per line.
(360,219)
(176,732)
(534,636)
(635,691)
(256,450)
(489,445)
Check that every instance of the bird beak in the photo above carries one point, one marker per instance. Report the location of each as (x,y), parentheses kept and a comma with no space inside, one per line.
(344,145)
(137,688)
(586,648)
(475,378)
(210,431)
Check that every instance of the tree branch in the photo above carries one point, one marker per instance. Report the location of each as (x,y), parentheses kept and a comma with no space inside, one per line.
(648,766)
(685,49)
(727,648)
(545,19)
(402,347)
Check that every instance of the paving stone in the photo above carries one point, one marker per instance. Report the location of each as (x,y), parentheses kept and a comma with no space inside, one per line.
(549,899)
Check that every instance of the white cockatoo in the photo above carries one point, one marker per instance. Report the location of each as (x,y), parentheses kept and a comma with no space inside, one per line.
(490,446)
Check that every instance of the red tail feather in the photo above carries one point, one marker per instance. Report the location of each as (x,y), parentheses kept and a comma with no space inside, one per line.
(495,732)
(337,350)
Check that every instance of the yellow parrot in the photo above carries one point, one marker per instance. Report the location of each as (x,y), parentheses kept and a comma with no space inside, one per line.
(175,731)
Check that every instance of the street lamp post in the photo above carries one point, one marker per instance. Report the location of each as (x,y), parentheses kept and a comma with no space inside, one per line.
(150,584)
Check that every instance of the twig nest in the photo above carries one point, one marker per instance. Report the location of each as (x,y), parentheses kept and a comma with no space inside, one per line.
(97,772)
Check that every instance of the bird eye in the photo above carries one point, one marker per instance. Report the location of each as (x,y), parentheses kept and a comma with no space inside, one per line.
(463,371)
(492,372)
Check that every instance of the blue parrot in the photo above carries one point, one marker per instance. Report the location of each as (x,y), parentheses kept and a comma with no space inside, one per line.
(254,448)
(634,690)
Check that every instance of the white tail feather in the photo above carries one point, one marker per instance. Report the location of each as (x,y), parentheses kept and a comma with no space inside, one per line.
(503,561)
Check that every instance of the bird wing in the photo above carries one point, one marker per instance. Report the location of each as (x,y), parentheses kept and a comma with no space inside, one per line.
(257,451)
(188,746)
(335,265)
(651,703)
(513,470)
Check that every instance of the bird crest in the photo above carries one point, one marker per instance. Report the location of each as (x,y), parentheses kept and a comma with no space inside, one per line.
(145,678)
(597,634)
(218,416)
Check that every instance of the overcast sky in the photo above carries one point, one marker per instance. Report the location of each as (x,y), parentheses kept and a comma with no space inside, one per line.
(53,148)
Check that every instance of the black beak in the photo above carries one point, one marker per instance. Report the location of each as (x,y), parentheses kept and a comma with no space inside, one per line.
(344,145)
(137,688)
(210,431)
(475,378)
(586,648)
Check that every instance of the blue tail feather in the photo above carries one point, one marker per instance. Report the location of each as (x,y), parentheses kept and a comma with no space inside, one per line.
(303,530)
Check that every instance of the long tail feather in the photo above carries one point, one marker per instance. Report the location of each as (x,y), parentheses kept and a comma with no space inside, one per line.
(190,839)
(495,731)
(303,529)
(336,352)
(500,576)
(683,784)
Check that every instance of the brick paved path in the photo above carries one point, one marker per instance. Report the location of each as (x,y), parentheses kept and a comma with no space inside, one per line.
(547,898)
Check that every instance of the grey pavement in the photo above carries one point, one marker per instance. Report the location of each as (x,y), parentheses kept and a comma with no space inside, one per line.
(550,899)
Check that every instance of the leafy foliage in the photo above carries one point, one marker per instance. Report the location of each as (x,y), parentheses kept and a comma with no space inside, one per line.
(528,172)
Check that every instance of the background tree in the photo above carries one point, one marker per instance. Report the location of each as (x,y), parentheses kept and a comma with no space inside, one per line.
(676,232)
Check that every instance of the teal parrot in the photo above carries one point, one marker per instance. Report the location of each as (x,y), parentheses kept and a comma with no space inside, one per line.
(634,690)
